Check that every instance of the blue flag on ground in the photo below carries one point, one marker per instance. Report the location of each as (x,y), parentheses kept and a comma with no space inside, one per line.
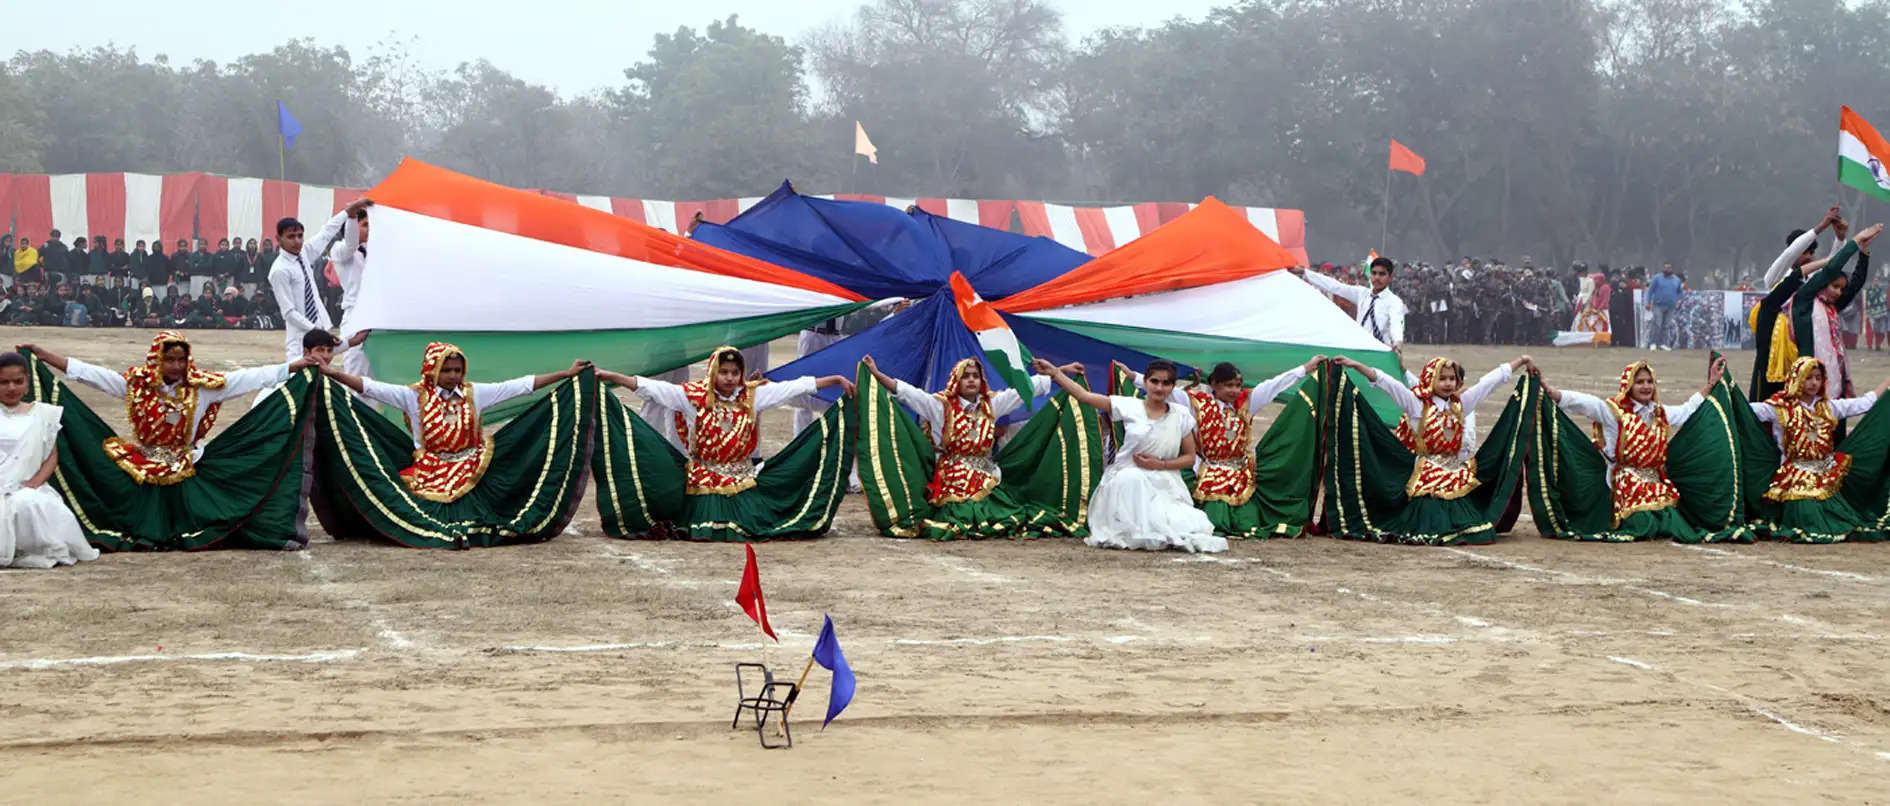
(827,653)
(287,125)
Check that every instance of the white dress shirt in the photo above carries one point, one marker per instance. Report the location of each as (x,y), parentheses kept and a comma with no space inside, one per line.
(1385,321)
(1776,271)
(1844,408)
(932,411)
(235,384)
(407,399)
(293,272)
(349,257)
(1414,408)
(670,396)
(1597,409)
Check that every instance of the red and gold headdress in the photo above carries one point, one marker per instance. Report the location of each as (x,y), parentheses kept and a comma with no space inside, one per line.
(151,375)
(1795,380)
(1625,398)
(1427,377)
(431,361)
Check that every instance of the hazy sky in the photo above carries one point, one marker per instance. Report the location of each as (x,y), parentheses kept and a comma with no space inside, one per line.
(571,45)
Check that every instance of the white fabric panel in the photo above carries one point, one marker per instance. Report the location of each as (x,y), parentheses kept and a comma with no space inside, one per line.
(245,212)
(1264,219)
(595,202)
(1063,228)
(1275,306)
(315,205)
(742,204)
(965,210)
(660,214)
(68,206)
(1122,224)
(900,204)
(434,274)
(144,204)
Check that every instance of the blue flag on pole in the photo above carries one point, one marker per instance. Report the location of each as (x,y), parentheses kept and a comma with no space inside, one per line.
(287,125)
(827,653)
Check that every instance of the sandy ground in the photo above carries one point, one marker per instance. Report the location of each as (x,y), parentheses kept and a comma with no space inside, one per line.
(1311,670)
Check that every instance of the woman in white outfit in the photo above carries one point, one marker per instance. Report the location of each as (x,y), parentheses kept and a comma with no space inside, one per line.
(1141,501)
(36,528)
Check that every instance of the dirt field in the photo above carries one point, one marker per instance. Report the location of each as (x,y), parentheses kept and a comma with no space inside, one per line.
(595,670)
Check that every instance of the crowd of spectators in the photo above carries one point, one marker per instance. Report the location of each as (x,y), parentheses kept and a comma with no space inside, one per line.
(86,283)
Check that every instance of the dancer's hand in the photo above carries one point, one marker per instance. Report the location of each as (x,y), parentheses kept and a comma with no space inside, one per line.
(869,362)
(1313,364)
(1042,367)
(848,387)
(576,367)
(359,338)
(1147,462)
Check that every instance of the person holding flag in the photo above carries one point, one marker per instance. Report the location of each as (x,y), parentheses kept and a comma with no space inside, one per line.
(1142,501)
(292,278)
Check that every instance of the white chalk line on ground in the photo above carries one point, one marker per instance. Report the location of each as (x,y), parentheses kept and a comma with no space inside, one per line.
(964,568)
(377,616)
(663,572)
(245,657)
(1718,552)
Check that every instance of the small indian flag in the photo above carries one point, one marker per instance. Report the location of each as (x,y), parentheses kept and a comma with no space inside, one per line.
(1001,350)
(1862,154)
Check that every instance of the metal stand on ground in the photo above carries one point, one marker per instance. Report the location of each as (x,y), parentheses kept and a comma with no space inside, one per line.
(772,697)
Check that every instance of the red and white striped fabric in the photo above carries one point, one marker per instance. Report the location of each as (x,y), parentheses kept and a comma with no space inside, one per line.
(1099,229)
(173,206)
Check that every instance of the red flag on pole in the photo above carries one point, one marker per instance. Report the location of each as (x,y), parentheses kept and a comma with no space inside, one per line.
(1406,160)
(749,595)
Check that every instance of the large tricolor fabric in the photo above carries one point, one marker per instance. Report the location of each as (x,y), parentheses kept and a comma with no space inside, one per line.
(524,282)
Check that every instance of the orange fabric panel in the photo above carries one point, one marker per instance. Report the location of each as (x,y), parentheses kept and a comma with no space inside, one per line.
(430,190)
(1209,244)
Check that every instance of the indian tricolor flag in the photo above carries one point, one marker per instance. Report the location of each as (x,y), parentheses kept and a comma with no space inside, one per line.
(1001,351)
(1862,154)
(524,283)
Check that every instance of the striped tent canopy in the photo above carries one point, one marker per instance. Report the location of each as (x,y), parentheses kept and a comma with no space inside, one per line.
(171,206)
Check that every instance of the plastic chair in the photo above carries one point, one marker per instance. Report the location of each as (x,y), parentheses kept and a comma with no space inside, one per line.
(771,697)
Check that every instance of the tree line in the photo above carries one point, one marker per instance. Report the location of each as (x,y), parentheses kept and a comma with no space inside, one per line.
(1631,131)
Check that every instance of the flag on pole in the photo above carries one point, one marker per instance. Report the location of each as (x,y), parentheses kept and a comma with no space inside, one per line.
(1862,153)
(827,653)
(1001,349)
(863,146)
(749,595)
(1406,160)
(287,125)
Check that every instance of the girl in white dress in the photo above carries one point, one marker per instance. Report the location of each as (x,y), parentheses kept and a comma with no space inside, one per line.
(36,528)
(1141,501)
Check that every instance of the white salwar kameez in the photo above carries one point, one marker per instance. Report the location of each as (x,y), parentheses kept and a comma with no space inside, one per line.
(1134,508)
(36,528)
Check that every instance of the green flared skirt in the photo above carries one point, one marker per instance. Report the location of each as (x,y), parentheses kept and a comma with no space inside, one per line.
(530,491)
(640,484)
(248,491)
(1832,520)
(1046,473)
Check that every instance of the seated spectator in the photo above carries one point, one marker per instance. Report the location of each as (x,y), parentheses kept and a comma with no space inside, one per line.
(262,311)
(204,310)
(182,308)
(145,312)
(234,309)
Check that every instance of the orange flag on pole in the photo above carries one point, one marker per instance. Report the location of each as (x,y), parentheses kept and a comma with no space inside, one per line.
(1406,160)
(862,146)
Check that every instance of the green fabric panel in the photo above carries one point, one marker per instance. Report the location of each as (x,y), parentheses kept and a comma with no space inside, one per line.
(247,491)
(1567,479)
(530,489)
(1868,484)
(1256,359)
(1055,459)
(1721,461)
(795,495)
(639,474)
(896,460)
(502,355)
(1367,469)
(1284,480)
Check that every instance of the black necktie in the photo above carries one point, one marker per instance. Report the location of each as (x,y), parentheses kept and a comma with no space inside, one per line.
(1371,314)
(308,293)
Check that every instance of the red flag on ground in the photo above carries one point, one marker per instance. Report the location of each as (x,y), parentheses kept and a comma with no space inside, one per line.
(749,595)
(1406,160)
